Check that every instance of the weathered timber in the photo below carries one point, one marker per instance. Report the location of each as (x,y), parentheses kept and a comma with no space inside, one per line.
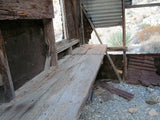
(26,9)
(142,5)
(72,18)
(65,44)
(114,67)
(92,25)
(116,48)
(50,39)
(100,41)
(25,48)
(82,28)
(117,91)
(60,93)
(124,40)
(9,93)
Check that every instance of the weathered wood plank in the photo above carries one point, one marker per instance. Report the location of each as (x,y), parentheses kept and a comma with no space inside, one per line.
(5,75)
(65,44)
(25,47)
(50,39)
(72,18)
(60,93)
(116,48)
(26,9)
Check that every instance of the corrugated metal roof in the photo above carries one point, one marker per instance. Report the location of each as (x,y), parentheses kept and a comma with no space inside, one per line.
(105,13)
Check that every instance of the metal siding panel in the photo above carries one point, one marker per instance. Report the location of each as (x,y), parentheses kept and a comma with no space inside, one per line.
(105,13)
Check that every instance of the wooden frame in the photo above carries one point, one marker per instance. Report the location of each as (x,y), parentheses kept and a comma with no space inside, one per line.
(142,5)
(50,40)
(9,93)
(25,9)
(124,40)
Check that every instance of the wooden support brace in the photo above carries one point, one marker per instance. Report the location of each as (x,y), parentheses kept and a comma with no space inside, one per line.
(113,66)
(92,25)
(124,40)
(143,5)
(108,56)
(82,28)
(50,40)
(5,74)
(116,48)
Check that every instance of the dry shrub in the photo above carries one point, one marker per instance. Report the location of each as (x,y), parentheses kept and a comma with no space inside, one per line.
(146,33)
(152,45)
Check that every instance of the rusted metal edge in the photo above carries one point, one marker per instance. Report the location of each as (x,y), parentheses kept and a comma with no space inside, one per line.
(117,91)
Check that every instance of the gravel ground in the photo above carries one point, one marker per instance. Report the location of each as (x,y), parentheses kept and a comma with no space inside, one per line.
(144,106)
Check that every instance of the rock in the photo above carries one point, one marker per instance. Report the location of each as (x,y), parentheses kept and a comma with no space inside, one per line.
(153,112)
(132,110)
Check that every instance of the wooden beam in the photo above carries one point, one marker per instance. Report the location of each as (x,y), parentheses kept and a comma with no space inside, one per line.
(109,58)
(92,25)
(65,44)
(82,28)
(50,40)
(26,9)
(124,40)
(5,74)
(72,18)
(116,48)
(142,5)
(64,20)
(114,67)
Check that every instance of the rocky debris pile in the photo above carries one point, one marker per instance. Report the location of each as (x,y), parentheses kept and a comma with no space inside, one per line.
(144,106)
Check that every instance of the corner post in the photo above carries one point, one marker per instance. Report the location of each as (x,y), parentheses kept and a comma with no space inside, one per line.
(124,40)
(5,74)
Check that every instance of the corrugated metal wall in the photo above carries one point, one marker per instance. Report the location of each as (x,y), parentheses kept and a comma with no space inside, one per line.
(104,13)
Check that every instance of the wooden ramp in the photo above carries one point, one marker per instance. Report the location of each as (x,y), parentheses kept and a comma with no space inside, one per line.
(59,93)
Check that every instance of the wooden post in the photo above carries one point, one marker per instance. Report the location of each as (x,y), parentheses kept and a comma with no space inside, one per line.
(84,11)
(50,39)
(82,27)
(9,93)
(64,20)
(124,40)
(108,56)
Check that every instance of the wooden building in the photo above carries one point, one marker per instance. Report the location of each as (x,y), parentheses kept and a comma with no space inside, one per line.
(34,82)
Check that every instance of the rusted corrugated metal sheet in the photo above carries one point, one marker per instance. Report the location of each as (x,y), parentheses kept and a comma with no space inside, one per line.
(144,69)
(105,13)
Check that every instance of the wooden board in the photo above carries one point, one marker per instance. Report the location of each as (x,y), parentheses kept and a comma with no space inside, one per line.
(50,39)
(25,48)
(5,75)
(26,9)
(59,93)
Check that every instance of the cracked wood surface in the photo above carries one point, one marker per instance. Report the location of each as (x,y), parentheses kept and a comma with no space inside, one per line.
(59,93)
(26,9)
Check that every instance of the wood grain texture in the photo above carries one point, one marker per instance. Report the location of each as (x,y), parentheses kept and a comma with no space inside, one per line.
(5,74)
(57,94)
(25,48)
(50,39)
(65,44)
(26,9)
(72,18)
